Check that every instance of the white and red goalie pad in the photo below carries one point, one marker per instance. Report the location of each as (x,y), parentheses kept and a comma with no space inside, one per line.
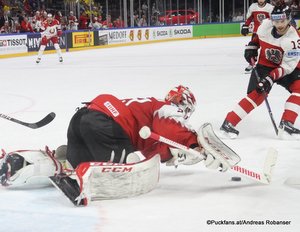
(105,180)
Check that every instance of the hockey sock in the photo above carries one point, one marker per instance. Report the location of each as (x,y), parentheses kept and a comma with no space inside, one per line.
(41,51)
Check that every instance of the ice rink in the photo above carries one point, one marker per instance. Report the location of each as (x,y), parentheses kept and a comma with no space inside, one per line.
(186,199)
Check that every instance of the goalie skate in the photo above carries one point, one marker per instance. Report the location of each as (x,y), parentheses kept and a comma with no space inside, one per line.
(69,187)
(211,143)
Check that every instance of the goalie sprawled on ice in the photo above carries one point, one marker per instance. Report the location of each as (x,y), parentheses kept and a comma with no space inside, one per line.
(105,156)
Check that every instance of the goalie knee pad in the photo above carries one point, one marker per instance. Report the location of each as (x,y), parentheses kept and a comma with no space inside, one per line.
(28,167)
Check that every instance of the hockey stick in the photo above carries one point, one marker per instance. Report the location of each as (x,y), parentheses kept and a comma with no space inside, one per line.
(264,178)
(46,120)
(266,100)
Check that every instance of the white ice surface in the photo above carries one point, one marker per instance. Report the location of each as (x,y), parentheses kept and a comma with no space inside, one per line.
(185,198)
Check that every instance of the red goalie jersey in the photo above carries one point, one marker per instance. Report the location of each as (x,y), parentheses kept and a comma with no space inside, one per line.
(162,117)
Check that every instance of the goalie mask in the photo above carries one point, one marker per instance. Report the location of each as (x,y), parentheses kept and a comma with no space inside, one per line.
(183,98)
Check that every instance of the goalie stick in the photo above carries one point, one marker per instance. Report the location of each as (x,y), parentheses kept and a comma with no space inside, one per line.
(264,177)
(43,122)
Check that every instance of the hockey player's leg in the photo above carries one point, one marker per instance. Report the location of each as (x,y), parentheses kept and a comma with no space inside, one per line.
(106,180)
(58,51)
(40,53)
(44,42)
(244,107)
(287,130)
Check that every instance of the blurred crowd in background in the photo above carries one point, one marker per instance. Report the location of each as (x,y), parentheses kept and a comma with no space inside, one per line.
(19,16)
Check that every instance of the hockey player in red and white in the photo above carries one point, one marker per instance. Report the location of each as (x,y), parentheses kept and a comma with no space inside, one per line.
(278,63)
(257,12)
(105,156)
(107,128)
(51,32)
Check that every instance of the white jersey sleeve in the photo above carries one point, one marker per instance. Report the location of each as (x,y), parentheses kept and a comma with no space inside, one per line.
(280,52)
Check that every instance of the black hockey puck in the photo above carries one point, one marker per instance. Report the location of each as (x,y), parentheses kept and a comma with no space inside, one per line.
(236,178)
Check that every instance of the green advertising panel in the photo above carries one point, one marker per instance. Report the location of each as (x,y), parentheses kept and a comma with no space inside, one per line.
(211,30)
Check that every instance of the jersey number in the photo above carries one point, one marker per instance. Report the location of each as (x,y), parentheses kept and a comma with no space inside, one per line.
(296,45)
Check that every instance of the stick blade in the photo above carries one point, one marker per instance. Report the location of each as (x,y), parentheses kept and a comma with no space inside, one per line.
(270,163)
(43,122)
(293,181)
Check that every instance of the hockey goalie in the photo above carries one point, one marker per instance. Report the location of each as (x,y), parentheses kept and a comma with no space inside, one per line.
(106,158)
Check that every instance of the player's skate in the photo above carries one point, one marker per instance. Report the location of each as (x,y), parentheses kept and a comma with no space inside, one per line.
(287,131)
(228,130)
(38,60)
(248,69)
(61,59)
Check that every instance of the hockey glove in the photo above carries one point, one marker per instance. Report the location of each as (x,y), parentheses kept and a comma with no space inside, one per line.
(245,30)
(182,157)
(265,85)
(212,163)
(251,53)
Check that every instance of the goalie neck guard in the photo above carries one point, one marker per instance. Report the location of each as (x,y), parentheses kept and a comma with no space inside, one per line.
(183,98)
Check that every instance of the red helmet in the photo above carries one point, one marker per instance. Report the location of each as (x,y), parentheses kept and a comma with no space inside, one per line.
(183,98)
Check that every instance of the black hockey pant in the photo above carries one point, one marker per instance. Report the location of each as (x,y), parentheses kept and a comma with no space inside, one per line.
(94,136)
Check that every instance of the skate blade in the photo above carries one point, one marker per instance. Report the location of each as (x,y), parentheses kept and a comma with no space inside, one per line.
(283,135)
(226,135)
